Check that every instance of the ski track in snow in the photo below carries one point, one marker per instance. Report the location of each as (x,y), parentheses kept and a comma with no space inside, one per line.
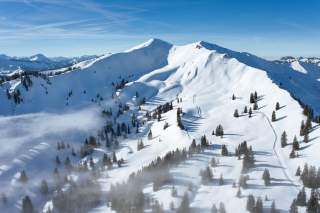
(280,161)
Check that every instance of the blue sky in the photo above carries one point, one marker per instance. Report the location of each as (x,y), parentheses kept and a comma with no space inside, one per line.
(268,28)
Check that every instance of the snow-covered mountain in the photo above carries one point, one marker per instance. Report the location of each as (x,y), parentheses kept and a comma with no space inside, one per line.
(38,62)
(207,82)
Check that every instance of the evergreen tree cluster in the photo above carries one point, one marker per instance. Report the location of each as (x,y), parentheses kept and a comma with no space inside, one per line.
(128,196)
(313,202)
(253,205)
(26,82)
(16,94)
(310,176)
(305,128)
(248,161)
(243,149)
(312,205)
(79,197)
(88,146)
(119,85)
(164,108)
(308,111)
(253,97)
(219,130)
(301,198)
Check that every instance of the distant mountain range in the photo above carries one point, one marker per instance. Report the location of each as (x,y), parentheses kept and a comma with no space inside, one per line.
(38,62)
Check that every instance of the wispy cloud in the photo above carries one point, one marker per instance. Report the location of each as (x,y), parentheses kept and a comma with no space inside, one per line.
(76,19)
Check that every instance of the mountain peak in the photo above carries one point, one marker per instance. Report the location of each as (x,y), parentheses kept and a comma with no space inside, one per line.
(153,42)
(38,57)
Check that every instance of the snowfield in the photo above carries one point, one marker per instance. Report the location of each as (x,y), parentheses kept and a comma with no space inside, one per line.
(201,78)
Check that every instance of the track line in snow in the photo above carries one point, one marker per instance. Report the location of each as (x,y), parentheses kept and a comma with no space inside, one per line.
(279,159)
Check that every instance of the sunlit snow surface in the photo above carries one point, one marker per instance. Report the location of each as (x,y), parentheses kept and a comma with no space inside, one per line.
(205,76)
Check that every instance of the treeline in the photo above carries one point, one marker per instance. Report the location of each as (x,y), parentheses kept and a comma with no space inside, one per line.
(128,196)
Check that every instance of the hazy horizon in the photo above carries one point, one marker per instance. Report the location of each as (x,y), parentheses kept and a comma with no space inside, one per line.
(269,29)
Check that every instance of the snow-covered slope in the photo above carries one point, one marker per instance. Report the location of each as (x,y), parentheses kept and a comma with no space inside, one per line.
(38,62)
(81,87)
(205,76)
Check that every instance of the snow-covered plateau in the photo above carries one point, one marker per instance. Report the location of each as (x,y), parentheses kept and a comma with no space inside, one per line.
(162,128)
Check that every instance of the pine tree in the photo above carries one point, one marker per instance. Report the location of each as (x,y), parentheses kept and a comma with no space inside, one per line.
(166,125)
(221,181)
(302,128)
(150,135)
(27,206)
(222,209)
(248,162)
(277,106)
(214,162)
(219,130)
(233,97)
(298,172)
(67,163)
(252,99)
(273,208)
(174,192)
(266,177)
(23,177)
(114,157)
(206,175)
(44,189)
(255,106)
(245,109)
(259,206)
(236,113)
(301,198)
(284,140)
(250,203)
(73,153)
(273,116)
(295,144)
(292,153)
(306,137)
(250,112)
(214,209)
(293,207)
(313,203)
(185,205)
(308,124)
(179,121)
(305,174)
(224,150)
